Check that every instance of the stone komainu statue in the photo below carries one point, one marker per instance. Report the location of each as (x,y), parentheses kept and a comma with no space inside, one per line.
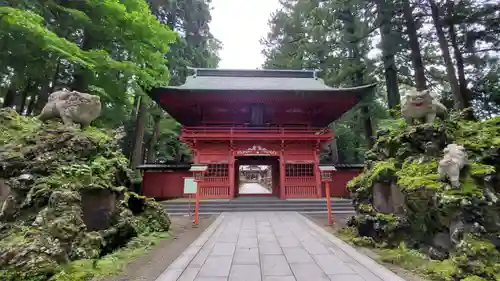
(455,158)
(420,105)
(72,107)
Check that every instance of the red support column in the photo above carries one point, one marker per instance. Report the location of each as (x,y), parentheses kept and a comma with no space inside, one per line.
(282,172)
(316,169)
(231,171)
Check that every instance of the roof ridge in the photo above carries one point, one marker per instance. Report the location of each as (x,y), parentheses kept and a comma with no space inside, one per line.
(256,73)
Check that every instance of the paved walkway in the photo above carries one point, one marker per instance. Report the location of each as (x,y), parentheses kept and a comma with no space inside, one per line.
(271,246)
(253,188)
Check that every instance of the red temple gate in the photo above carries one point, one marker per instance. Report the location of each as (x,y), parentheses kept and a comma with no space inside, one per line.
(257,117)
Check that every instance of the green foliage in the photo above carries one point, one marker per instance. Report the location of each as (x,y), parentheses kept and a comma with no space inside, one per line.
(15,128)
(479,135)
(128,25)
(381,171)
(410,155)
(115,49)
(478,257)
(312,35)
(415,174)
(152,218)
(109,265)
(43,227)
(99,173)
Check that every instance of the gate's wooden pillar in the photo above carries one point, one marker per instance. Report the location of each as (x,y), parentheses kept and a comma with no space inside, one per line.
(316,152)
(232,183)
(282,171)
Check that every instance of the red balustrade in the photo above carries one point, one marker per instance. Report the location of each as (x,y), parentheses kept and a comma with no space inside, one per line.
(255,133)
(214,192)
(300,187)
(215,187)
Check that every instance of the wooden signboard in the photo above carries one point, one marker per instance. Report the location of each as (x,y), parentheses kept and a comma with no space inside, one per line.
(190,186)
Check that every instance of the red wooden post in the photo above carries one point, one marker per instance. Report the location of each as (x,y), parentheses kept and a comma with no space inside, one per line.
(326,172)
(197,204)
(198,173)
(328,202)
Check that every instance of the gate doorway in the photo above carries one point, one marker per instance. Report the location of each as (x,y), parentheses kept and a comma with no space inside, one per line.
(257,176)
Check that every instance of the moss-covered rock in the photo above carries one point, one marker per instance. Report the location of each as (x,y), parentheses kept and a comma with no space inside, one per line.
(66,197)
(459,226)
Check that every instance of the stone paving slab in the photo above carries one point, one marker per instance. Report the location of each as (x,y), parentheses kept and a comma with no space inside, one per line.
(272,246)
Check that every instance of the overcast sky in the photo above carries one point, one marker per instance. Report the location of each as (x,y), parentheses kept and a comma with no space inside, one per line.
(239,24)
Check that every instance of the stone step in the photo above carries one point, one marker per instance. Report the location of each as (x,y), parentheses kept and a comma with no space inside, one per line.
(238,202)
(258,204)
(202,213)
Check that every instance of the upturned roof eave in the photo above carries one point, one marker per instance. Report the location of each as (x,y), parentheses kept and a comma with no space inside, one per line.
(326,89)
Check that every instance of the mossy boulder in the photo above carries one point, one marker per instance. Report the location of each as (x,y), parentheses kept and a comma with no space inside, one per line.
(457,225)
(63,197)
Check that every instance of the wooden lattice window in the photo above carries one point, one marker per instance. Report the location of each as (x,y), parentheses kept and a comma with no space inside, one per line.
(218,170)
(299,170)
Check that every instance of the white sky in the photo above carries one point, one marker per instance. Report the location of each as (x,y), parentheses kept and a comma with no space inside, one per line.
(240,24)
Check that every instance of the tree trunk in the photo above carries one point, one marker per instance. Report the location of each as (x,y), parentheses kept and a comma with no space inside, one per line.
(21,106)
(129,141)
(80,76)
(140,127)
(357,77)
(459,59)
(9,98)
(365,109)
(443,45)
(42,99)
(390,70)
(31,104)
(154,140)
(334,149)
(416,55)
(47,89)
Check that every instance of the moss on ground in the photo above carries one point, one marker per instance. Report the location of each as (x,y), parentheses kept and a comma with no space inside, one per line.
(109,265)
(444,233)
(417,262)
(51,176)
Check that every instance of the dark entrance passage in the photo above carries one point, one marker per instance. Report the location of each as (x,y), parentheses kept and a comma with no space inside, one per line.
(257,176)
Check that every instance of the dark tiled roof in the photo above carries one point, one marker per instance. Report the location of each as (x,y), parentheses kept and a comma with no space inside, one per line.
(166,166)
(259,80)
(343,165)
(349,166)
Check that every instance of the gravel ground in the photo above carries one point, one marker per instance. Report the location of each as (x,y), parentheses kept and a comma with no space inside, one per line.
(340,221)
(151,265)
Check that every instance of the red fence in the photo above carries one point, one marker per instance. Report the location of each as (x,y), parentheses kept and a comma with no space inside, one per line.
(215,187)
(300,187)
(164,184)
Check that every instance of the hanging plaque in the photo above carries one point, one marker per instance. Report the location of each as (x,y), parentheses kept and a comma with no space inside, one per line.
(256,150)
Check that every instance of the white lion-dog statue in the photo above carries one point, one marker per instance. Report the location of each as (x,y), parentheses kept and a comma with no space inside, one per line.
(421,105)
(72,107)
(454,159)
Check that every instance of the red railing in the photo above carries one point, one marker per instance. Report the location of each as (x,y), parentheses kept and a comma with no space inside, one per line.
(214,192)
(215,187)
(300,187)
(247,132)
(300,191)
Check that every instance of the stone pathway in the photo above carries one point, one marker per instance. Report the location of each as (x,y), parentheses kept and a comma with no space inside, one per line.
(271,246)
(253,188)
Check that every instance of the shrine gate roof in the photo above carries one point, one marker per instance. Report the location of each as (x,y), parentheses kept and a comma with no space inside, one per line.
(258,80)
(288,97)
